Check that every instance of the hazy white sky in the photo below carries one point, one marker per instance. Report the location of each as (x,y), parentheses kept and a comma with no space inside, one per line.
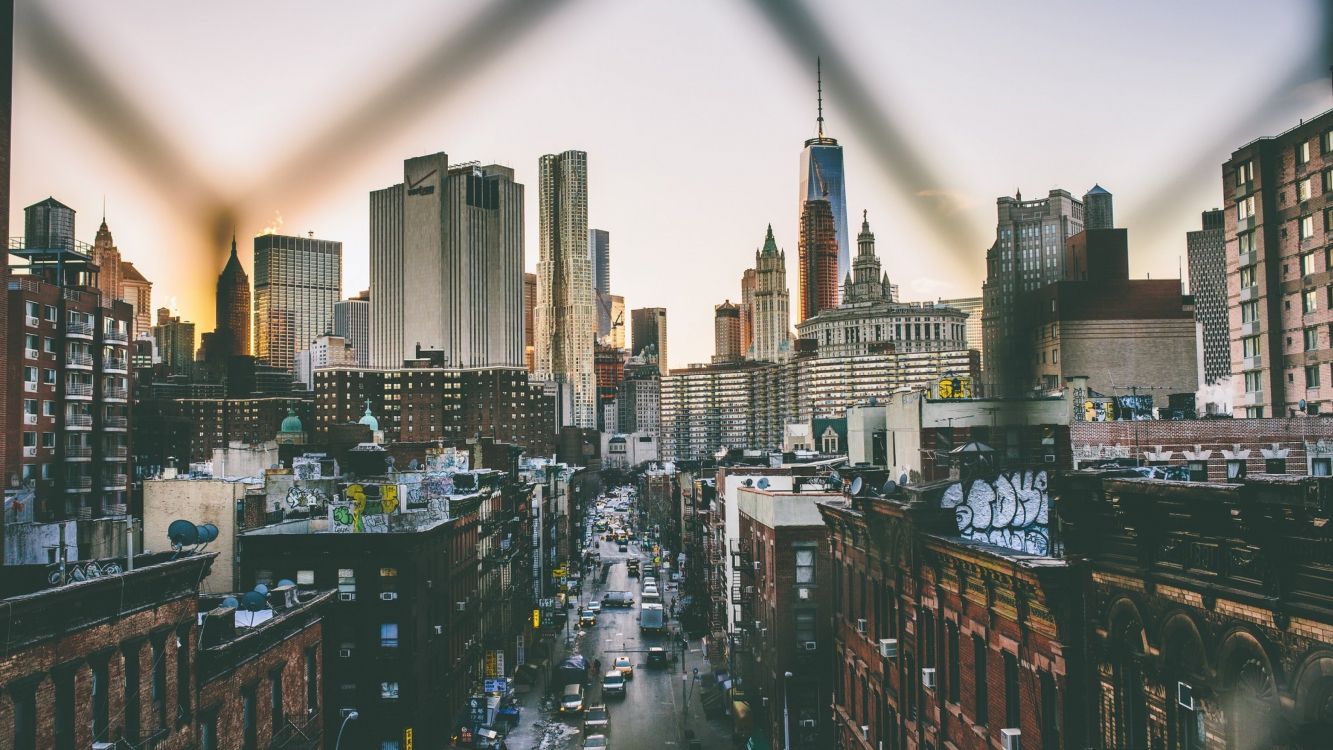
(693,114)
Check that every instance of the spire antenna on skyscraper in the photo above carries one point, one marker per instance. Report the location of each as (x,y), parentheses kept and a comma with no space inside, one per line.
(819,83)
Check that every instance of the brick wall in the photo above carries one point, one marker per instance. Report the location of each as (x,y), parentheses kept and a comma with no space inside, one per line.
(223,696)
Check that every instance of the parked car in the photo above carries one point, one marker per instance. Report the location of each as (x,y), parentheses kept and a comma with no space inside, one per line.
(613,683)
(587,618)
(571,699)
(597,720)
(657,656)
(596,742)
(625,666)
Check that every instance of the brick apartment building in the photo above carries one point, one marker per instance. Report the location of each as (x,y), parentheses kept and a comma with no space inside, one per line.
(784,593)
(117,659)
(1280,271)
(179,431)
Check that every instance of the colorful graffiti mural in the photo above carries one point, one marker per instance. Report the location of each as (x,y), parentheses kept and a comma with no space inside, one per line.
(1011,510)
(366,509)
(306,497)
(447,460)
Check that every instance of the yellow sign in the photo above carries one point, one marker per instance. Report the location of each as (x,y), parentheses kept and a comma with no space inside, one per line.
(536,619)
(558,572)
(491,665)
(407,738)
(955,388)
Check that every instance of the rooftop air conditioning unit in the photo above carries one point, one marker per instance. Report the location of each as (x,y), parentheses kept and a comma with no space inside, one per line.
(344,653)
(388,596)
(1009,738)
(888,648)
(1185,696)
(861,625)
(347,596)
(811,645)
(928,677)
(808,723)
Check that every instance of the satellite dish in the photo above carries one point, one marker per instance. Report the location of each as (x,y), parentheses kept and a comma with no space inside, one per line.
(253,601)
(763,483)
(834,476)
(207,533)
(748,483)
(286,582)
(889,488)
(231,601)
(182,533)
(261,589)
(856,486)
(902,478)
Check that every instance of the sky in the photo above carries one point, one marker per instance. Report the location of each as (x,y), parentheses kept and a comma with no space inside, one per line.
(693,114)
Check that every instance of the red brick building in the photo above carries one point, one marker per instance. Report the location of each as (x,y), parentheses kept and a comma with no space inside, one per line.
(818,250)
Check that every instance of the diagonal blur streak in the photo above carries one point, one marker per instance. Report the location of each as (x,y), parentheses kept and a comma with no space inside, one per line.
(893,151)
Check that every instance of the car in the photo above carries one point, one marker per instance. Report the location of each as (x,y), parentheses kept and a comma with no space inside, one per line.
(613,683)
(571,699)
(596,742)
(587,618)
(650,589)
(649,581)
(625,666)
(657,656)
(596,720)
(595,607)
(623,547)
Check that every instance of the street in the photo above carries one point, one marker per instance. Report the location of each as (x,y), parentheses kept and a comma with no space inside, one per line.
(659,707)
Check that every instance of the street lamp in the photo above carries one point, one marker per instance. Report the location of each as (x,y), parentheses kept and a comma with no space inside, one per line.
(786,721)
(351,716)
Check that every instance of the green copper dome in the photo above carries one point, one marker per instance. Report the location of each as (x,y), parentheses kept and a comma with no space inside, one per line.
(292,423)
(369,420)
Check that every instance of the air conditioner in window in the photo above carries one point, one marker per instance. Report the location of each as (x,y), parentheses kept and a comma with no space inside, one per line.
(344,653)
(861,625)
(460,606)
(439,630)
(928,677)
(807,723)
(756,565)
(104,746)
(888,648)
(1009,739)
(811,645)
(1049,458)
(388,596)
(1185,696)
(865,732)
(347,596)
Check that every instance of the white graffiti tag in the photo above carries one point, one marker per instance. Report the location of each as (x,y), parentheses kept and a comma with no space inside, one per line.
(1011,510)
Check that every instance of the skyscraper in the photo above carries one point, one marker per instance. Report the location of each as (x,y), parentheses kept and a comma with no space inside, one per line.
(726,332)
(297,280)
(1028,253)
(772,303)
(822,179)
(747,312)
(175,342)
(649,335)
(818,258)
(138,291)
(1207,249)
(231,335)
(106,256)
(599,254)
(616,336)
(351,321)
(529,310)
(565,320)
(446,265)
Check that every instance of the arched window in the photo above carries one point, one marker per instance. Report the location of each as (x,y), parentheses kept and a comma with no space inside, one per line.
(1252,696)
(1130,710)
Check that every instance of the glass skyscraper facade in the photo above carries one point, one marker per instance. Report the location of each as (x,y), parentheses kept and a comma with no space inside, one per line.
(297,282)
(822,179)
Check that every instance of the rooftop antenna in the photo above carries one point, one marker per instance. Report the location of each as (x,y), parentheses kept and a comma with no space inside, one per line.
(819,82)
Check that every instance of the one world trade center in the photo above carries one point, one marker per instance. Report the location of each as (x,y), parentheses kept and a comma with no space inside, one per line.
(822,178)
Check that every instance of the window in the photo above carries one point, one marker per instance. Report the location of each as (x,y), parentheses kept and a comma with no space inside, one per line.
(1309,301)
(305,578)
(1012,700)
(1253,381)
(927,638)
(101,689)
(1245,208)
(1304,188)
(1303,152)
(159,684)
(1249,311)
(1308,264)
(1312,376)
(1275,465)
(389,635)
(346,582)
(64,716)
(25,716)
(1326,142)
(249,720)
(1247,276)
(1244,172)
(1311,336)
(1245,242)
(49,377)
(951,636)
(1306,226)
(389,691)
(979,678)
(1321,467)
(208,731)
(276,714)
(132,688)
(1050,725)
(1251,346)
(311,681)
(805,565)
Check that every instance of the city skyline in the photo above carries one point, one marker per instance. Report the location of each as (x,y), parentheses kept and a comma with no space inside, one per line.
(760,181)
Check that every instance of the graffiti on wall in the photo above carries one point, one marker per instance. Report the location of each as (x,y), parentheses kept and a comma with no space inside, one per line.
(1010,510)
(366,510)
(447,460)
(305,497)
(305,467)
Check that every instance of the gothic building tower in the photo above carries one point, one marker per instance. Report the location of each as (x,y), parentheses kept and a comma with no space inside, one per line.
(866,282)
(107,257)
(232,334)
(771,303)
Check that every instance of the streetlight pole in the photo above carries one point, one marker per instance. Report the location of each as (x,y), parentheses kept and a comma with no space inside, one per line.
(351,716)
(786,720)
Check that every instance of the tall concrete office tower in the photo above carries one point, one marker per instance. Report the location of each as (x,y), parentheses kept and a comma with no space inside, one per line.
(726,332)
(649,335)
(1097,209)
(819,259)
(297,281)
(599,254)
(822,179)
(772,303)
(566,315)
(1028,253)
(231,334)
(351,321)
(446,265)
(1207,249)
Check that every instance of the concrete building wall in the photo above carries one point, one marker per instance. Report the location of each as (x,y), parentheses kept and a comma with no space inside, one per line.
(1156,357)
(198,501)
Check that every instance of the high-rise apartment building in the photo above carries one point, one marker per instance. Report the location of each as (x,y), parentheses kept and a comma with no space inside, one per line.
(1207,252)
(297,280)
(771,306)
(747,312)
(529,310)
(972,328)
(175,342)
(726,332)
(818,253)
(649,335)
(351,321)
(1279,221)
(446,265)
(566,314)
(822,179)
(1028,254)
(231,335)
(138,292)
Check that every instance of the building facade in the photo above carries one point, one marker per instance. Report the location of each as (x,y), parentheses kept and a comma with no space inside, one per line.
(1207,253)
(726,332)
(529,310)
(231,334)
(175,342)
(599,254)
(138,291)
(649,335)
(565,322)
(447,244)
(818,258)
(771,304)
(748,279)
(822,178)
(351,321)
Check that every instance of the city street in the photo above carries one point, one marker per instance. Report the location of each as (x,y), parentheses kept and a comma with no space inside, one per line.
(659,706)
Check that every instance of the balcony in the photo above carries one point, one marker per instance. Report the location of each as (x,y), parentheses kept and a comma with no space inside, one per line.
(114,364)
(78,421)
(81,361)
(1249,328)
(78,390)
(117,453)
(116,423)
(116,337)
(79,483)
(113,393)
(78,452)
(114,482)
(79,330)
